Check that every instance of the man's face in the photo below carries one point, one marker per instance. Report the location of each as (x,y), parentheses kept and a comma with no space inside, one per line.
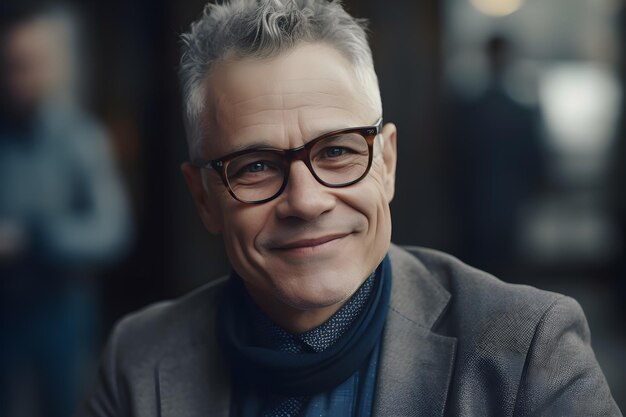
(312,246)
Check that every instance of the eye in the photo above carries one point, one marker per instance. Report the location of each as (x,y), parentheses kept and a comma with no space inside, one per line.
(256,167)
(334,152)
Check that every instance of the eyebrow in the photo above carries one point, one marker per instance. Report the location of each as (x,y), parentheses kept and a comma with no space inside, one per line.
(260,144)
(256,145)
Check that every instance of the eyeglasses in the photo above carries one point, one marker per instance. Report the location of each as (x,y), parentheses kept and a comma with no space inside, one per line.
(336,159)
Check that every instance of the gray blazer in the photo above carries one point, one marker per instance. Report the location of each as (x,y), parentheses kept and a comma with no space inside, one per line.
(457,342)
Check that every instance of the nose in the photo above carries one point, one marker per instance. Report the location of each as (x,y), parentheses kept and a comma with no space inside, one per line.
(304,197)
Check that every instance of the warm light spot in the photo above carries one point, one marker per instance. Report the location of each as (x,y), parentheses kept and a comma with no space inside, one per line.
(497,7)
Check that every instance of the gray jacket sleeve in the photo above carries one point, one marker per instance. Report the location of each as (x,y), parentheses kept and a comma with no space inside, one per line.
(561,376)
(162,355)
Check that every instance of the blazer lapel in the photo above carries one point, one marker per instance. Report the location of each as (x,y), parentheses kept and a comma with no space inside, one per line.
(193,384)
(192,377)
(416,364)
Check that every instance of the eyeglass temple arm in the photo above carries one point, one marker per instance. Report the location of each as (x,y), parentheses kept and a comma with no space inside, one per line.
(205,163)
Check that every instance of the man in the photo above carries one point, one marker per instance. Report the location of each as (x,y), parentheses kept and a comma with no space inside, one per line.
(321,316)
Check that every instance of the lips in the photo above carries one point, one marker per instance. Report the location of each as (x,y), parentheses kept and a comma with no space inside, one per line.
(310,243)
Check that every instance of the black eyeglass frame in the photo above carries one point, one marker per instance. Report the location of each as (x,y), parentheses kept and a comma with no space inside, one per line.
(301,153)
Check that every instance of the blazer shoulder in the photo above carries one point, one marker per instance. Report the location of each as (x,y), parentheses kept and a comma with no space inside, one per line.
(483,310)
(519,350)
(473,287)
(168,325)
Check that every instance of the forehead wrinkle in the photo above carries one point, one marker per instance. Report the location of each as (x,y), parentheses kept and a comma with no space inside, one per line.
(324,119)
(346,91)
(322,84)
(262,117)
(273,90)
(292,130)
(284,100)
(318,101)
(306,92)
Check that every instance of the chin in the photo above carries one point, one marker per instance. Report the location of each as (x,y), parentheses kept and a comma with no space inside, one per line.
(316,295)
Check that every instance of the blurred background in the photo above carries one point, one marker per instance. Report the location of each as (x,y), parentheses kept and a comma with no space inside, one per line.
(512,139)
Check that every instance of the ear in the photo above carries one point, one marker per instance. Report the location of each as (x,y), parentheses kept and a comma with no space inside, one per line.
(208,208)
(389,159)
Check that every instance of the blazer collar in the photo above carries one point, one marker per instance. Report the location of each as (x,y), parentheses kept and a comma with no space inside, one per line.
(416,364)
(193,384)
(192,379)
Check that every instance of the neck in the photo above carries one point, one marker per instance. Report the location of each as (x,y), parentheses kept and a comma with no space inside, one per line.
(292,319)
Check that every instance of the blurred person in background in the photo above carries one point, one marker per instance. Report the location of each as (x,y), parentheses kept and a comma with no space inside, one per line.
(63,213)
(499,163)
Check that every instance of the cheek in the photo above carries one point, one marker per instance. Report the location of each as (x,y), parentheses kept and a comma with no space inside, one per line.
(370,200)
(378,210)
(242,225)
(369,197)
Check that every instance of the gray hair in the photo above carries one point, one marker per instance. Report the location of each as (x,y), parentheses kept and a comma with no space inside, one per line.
(265,28)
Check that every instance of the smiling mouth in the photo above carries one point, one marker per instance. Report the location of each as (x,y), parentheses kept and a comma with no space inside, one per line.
(305,244)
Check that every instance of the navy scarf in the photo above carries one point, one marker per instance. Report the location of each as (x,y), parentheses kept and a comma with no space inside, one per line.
(300,374)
